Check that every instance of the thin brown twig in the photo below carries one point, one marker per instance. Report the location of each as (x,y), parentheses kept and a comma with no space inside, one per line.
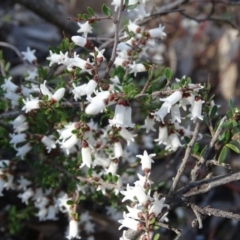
(186,157)
(215,212)
(116,40)
(148,80)
(205,185)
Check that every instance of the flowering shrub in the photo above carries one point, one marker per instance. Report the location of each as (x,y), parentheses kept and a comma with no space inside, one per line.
(97,128)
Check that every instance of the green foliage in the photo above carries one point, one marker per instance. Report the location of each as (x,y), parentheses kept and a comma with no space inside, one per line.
(90,11)
(156,236)
(223,154)
(106,10)
(168,73)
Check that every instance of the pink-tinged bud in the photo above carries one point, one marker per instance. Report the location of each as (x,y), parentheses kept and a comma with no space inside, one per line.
(58,95)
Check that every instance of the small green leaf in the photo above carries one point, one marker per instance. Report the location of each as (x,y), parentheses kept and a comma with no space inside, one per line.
(168,73)
(156,236)
(195,147)
(70,202)
(106,10)
(233,147)
(90,11)
(85,16)
(90,172)
(152,221)
(234,123)
(109,177)
(223,154)
(131,7)
(230,103)
(213,112)
(115,178)
(203,151)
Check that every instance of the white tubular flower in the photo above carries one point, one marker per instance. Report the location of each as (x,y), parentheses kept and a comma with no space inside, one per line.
(30,104)
(51,214)
(49,143)
(58,95)
(22,151)
(17,138)
(173,142)
(140,194)
(73,230)
(119,61)
(80,41)
(98,103)
(81,63)
(69,143)
(26,195)
(146,161)
(118,151)
(91,86)
(9,85)
(136,68)
(175,113)
(128,136)
(19,124)
(13,97)
(113,167)
(85,28)
(130,223)
(197,109)
(79,91)
(44,90)
(134,213)
(123,115)
(134,27)
(41,214)
(172,99)
(32,74)
(29,55)
(162,134)
(86,155)
(99,56)
(157,32)
(143,180)
(23,183)
(157,207)
(149,123)
(162,112)
(9,183)
(54,58)
(187,99)
(129,194)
